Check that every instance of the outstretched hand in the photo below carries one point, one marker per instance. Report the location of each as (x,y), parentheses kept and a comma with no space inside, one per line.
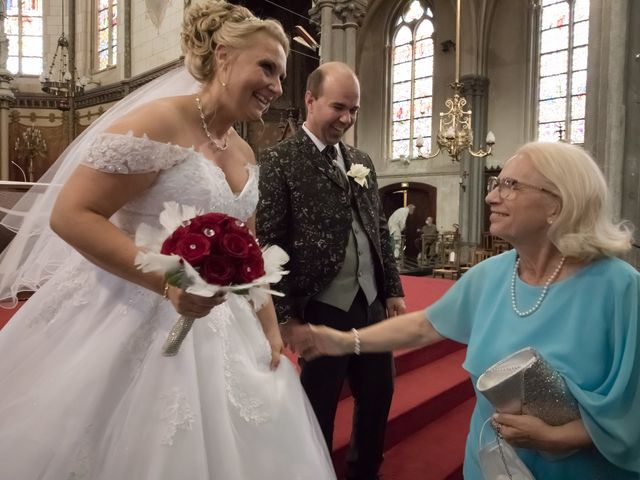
(312,341)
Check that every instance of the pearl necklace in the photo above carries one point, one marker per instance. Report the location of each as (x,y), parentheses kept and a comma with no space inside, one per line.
(543,294)
(220,145)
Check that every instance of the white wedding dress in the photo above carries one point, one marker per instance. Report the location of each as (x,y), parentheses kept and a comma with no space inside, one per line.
(86,394)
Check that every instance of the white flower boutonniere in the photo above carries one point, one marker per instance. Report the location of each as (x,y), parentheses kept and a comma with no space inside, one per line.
(359,174)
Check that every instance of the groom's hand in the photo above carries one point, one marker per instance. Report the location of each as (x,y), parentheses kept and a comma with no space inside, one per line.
(395,306)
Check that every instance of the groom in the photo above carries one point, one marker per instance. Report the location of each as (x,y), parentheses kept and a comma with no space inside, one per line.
(343,273)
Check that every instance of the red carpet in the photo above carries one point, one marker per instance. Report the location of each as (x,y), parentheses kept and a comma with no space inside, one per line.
(6,313)
(429,418)
(432,404)
(420,292)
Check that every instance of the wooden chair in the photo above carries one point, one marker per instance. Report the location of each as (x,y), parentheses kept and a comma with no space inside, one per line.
(480,254)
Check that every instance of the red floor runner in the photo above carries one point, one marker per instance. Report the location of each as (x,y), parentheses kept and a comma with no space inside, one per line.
(6,313)
(420,292)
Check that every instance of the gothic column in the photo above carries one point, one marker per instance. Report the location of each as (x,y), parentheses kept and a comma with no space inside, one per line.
(339,21)
(72,70)
(476,92)
(7,98)
(351,14)
(610,32)
(322,14)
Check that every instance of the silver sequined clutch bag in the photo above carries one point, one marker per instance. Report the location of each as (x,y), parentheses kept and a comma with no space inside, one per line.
(524,383)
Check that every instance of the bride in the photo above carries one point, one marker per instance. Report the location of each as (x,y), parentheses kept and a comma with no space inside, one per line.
(86,392)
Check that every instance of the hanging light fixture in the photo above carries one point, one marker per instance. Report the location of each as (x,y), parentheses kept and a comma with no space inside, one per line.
(455,134)
(61,79)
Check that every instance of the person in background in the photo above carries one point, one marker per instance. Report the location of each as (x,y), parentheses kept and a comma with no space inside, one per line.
(320,203)
(428,237)
(397,223)
(562,291)
(86,391)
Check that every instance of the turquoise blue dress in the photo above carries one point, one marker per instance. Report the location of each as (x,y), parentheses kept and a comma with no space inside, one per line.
(586,327)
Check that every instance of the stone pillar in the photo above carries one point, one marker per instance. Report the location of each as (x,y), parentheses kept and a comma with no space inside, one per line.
(126,23)
(476,91)
(605,129)
(322,14)
(72,69)
(7,98)
(351,14)
(339,22)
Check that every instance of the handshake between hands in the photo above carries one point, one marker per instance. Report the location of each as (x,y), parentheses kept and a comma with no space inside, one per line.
(312,341)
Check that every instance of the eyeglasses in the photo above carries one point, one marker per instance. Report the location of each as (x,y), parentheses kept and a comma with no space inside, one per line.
(508,187)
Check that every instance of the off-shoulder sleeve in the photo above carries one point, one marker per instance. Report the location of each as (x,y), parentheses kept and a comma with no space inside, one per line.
(117,153)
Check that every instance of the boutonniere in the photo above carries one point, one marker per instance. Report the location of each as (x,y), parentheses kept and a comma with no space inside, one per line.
(359,174)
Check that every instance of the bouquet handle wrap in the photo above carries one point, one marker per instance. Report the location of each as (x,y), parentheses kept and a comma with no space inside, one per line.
(525,383)
(176,335)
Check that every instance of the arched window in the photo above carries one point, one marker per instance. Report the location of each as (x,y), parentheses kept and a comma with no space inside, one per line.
(564,37)
(412,79)
(107,34)
(23,27)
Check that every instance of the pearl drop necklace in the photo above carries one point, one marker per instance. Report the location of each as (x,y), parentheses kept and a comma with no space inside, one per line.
(543,294)
(220,145)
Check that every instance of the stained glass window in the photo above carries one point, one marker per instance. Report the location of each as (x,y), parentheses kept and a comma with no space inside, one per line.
(107,33)
(23,27)
(562,93)
(412,77)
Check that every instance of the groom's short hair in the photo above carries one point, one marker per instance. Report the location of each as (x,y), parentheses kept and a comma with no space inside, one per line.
(314,82)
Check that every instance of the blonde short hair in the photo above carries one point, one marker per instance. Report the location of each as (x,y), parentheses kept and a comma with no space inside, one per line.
(215,22)
(584,227)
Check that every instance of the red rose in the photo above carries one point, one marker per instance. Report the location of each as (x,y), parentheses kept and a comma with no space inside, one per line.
(234,245)
(193,248)
(233,225)
(209,224)
(169,245)
(251,268)
(254,250)
(218,270)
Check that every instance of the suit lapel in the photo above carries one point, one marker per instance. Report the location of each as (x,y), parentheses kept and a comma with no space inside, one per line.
(346,155)
(309,150)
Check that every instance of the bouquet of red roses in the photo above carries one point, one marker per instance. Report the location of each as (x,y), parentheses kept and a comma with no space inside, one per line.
(207,253)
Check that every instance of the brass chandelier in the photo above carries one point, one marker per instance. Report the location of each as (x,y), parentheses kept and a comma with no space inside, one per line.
(61,79)
(455,135)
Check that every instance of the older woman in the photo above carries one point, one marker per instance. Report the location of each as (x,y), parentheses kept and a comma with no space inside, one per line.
(560,290)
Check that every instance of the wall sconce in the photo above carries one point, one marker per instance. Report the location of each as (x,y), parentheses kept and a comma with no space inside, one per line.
(29,147)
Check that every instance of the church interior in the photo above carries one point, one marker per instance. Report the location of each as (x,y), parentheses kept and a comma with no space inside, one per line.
(508,71)
(526,69)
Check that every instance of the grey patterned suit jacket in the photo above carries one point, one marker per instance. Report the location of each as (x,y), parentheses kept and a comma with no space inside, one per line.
(305,208)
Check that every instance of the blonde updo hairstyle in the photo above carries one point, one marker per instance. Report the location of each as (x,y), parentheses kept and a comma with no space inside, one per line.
(584,227)
(215,22)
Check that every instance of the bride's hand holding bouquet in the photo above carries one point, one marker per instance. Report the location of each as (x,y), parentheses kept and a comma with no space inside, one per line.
(204,257)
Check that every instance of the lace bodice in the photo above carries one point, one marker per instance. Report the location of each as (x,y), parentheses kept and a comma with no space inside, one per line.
(186,177)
